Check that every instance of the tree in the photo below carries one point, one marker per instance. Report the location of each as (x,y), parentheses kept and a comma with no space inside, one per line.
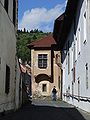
(24,30)
(34,37)
(25,38)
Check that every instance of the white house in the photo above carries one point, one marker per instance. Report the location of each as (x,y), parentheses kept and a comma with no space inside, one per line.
(8,82)
(74,43)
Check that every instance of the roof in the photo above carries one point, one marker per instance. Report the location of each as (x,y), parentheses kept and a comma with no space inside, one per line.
(57,26)
(65,23)
(45,42)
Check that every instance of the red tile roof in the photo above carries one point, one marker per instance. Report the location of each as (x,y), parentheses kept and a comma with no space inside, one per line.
(43,42)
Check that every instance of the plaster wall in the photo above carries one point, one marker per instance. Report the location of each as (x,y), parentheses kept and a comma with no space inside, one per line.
(7,57)
(79,57)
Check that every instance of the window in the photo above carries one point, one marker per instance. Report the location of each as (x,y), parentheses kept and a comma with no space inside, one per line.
(74,73)
(76,46)
(74,53)
(0,63)
(42,60)
(78,89)
(59,82)
(68,59)
(7,84)
(72,89)
(14,11)
(6,5)
(72,62)
(86,75)
(79,41)
(85,28)
(44,87)
(68,62)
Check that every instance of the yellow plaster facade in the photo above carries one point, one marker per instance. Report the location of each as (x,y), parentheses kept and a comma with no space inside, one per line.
(44,79)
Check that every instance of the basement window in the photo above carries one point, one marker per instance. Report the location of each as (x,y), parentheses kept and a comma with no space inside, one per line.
(7,82)
(44,88)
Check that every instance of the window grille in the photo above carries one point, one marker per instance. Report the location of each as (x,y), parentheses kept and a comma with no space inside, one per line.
(42,60)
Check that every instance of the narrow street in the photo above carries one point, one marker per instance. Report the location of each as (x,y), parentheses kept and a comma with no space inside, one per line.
(46,110)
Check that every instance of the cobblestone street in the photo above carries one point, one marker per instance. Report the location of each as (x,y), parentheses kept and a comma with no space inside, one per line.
(47,110)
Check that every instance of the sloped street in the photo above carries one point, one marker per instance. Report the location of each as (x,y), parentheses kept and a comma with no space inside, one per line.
(47,110)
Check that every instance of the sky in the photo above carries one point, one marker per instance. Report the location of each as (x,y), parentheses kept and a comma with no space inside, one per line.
(39,14)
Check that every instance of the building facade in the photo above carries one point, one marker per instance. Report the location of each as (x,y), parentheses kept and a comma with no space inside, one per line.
(8,63)
(45,68)
(74,44)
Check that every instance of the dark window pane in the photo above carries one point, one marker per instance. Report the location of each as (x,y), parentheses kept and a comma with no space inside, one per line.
(6,5)
(7,84)
(42,60)
(44,87)
(45,56)
(14,12)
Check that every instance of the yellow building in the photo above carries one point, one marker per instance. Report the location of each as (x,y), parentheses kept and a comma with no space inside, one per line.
(45,67)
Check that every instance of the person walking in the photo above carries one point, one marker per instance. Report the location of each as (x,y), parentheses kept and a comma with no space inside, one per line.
(54,91)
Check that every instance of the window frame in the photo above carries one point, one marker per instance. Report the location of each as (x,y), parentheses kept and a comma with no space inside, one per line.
(42,61)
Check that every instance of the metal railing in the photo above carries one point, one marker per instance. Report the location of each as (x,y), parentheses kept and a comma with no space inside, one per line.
(79,98)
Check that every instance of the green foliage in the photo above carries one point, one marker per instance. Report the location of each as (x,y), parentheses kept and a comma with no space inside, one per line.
(25,38)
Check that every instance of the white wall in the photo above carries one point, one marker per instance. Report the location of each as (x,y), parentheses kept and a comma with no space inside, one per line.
(82,58)
(7,55)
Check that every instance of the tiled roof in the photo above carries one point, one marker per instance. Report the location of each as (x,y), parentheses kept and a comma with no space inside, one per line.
(43,42)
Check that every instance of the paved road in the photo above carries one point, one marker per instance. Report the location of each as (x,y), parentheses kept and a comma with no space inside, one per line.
(45,110)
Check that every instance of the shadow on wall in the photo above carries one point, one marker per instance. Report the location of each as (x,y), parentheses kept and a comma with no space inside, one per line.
(72,16)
